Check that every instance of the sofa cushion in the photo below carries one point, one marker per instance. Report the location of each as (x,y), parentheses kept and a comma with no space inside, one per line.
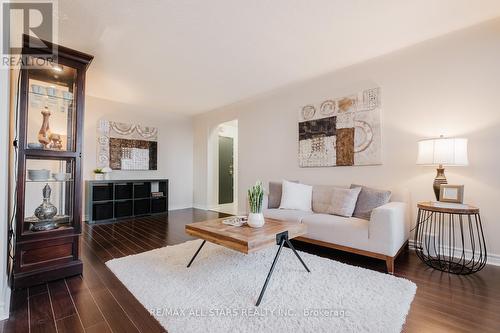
(275,191)
(296,196)
(343,201)
(287,215)
(322,197)
(368,200)
(346,231)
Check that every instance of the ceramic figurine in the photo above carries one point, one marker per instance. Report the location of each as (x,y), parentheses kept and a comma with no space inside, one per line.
(56,141)
(44,133)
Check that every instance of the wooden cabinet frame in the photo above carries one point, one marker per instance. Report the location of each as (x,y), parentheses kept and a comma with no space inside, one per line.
(47,255)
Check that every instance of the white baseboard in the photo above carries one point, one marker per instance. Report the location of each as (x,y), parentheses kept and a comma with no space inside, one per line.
(5,303)
(180,207)
(492,258)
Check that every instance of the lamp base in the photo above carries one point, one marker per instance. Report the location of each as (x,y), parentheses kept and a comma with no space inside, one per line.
(440,179)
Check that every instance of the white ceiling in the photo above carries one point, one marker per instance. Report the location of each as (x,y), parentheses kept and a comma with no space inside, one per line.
(192,56)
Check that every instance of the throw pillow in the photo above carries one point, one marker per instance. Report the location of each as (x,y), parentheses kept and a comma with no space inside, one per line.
(368,200)
(343,201)
(275,191)
(296,196)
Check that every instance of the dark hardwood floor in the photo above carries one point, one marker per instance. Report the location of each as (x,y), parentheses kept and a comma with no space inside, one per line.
(98,302)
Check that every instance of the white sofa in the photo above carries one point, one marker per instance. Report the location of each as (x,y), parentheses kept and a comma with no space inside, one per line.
(382,237)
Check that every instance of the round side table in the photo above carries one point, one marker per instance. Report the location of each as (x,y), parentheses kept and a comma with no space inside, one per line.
(449,237)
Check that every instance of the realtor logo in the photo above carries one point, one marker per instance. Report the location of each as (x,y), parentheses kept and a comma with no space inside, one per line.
(35,19)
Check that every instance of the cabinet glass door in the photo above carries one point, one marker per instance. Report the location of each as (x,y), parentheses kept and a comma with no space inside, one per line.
(49,190)
(51,108)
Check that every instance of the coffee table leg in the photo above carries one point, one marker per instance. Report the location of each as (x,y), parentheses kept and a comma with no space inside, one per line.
(198,251)
(282,242)
(297,254)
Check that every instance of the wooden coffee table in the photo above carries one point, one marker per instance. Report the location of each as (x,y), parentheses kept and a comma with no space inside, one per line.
(247,240)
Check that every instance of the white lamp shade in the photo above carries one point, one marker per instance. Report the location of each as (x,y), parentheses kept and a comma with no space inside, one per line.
(445,151)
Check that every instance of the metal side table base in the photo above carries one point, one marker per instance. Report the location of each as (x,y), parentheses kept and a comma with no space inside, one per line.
(450,238)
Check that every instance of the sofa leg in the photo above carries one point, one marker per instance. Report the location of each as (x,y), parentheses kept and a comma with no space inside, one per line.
(389,262)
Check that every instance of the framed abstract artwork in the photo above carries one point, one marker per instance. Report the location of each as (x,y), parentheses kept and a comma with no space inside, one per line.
(344,132)
(124,146)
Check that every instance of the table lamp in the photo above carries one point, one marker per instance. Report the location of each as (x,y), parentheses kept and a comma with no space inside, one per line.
(442,152)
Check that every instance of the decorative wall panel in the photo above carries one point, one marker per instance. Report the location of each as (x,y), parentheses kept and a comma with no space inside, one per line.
(341,131)
(127,146)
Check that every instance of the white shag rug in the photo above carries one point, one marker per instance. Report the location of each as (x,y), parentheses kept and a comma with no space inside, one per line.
(218,292)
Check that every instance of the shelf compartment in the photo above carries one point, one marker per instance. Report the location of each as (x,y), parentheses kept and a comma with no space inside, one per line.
(158,205)
(102,211)
(61,192)
(142,207)
(162,187)
(124,209)
(142,190)
(124,191)
(52,118)
(102,192)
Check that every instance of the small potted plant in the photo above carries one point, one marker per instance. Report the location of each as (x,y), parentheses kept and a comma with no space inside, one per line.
(106,171)
(255,198)
(98,174)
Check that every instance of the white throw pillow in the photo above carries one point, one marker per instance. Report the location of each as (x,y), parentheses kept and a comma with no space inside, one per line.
(343,201)
(296,196)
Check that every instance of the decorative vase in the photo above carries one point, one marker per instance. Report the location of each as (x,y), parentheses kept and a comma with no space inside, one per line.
(46,211)
(256,220)
(98,176)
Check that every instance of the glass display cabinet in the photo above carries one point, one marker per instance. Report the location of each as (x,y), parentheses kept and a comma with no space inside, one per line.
(49,167)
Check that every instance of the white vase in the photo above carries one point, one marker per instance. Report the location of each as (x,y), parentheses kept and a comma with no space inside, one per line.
(98,176)
(256,220)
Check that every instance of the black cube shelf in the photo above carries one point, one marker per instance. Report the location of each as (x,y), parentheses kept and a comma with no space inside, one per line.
(111,200)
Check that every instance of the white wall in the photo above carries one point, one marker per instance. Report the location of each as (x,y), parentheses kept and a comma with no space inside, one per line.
(449,85)
(4,189)
(175,145)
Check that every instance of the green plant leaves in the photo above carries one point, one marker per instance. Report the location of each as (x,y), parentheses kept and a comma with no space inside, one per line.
(255,197)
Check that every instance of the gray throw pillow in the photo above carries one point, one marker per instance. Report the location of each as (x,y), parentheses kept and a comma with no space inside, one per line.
(343,201)
(368,200)
(275,191)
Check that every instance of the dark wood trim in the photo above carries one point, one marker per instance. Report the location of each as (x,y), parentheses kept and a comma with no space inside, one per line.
(389,263)
(342,248)
(45,235)
(24,280)
(388,259)
(47,154)
(34,45)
